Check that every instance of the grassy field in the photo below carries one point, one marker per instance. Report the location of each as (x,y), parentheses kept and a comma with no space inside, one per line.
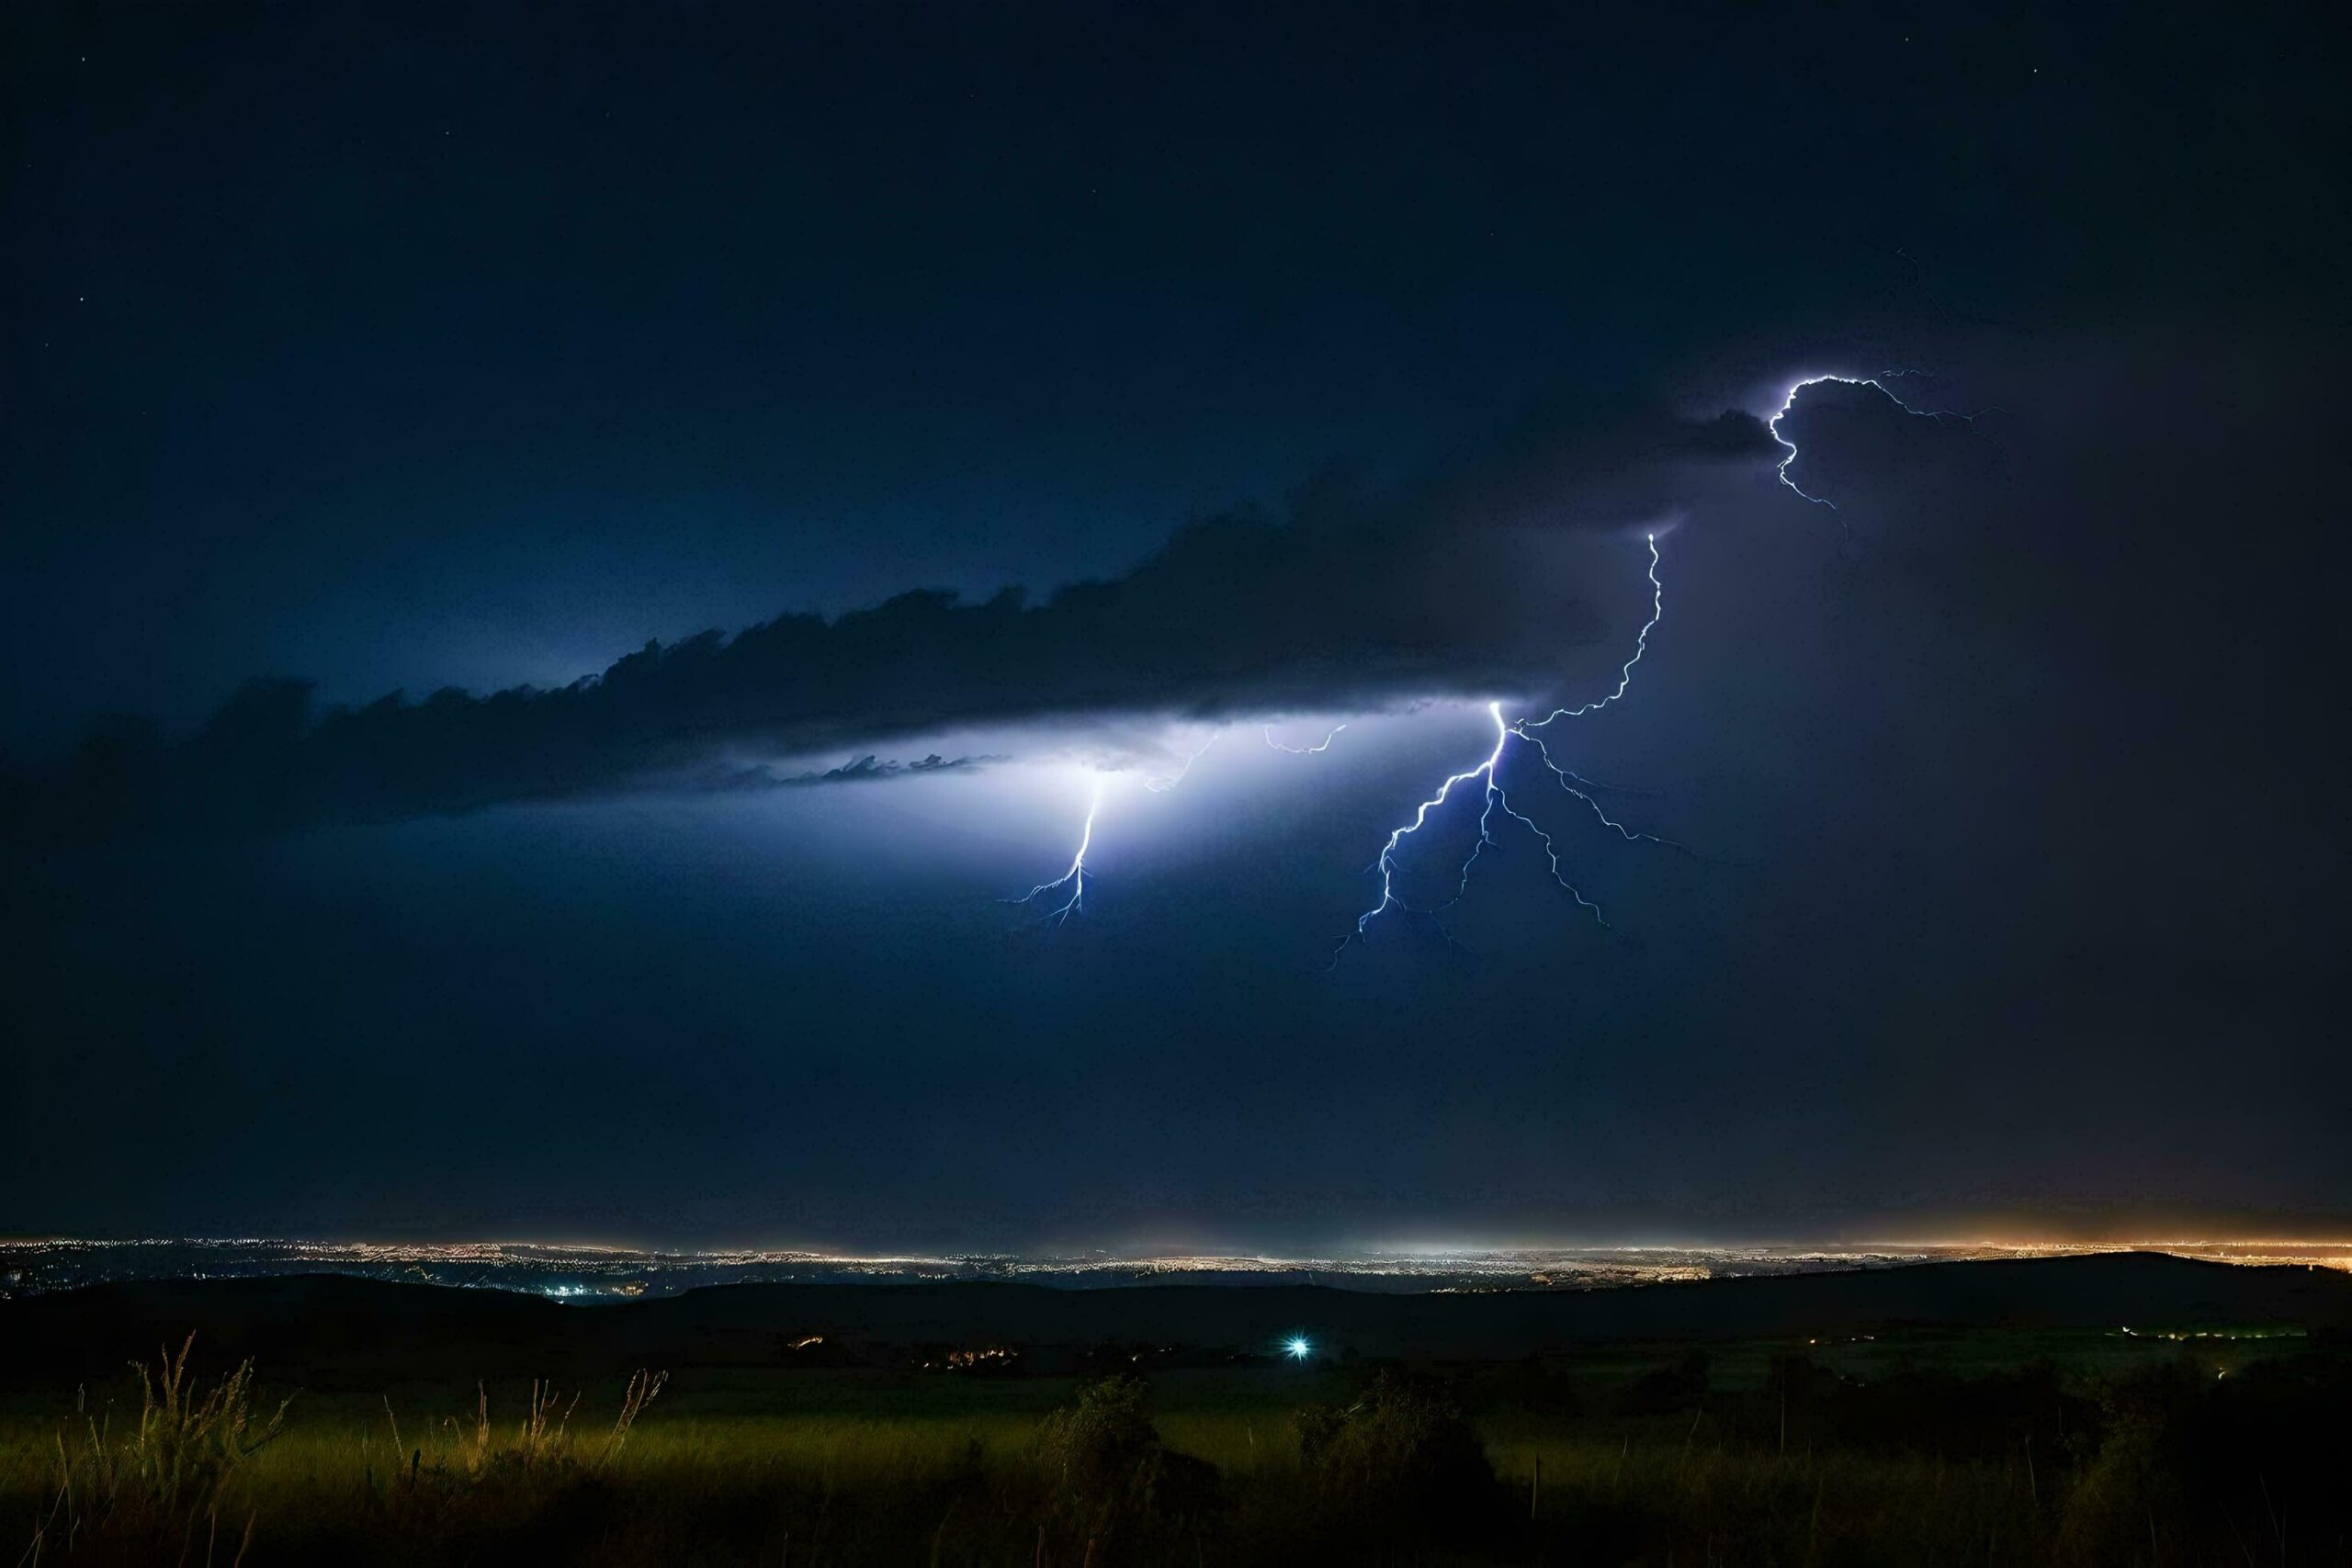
(1979,1447)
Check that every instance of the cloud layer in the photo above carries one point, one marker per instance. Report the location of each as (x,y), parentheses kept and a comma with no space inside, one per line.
(1346,601)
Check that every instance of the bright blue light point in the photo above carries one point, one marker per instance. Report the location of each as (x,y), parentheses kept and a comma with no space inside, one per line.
(1296,1348)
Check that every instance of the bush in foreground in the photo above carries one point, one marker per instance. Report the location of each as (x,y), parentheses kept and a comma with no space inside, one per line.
(1110,1477)
(1399,1467)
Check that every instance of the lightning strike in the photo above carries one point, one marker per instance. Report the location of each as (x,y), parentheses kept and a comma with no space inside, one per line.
(1789,401)
(1074,878)
(1160,783)
(1317,750)
(1498,799)
(1489,771)
(1486,817)
(1625,671)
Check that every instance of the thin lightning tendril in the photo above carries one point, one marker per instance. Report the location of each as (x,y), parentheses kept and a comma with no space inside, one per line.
(1553,852)
(1569,780)
(1162,782)
(1625,673)
(1875,384)
(1317,750)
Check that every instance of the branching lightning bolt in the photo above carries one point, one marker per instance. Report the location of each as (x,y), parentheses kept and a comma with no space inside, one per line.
(1071,883)
(1314,751)
(1386,863)
(1498,799)
(1495,797)
(1074,878)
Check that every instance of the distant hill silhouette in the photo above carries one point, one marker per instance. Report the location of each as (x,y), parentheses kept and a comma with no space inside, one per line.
(363,1332)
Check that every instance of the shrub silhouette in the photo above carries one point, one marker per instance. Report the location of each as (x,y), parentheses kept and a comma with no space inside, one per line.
(2129,1505)
(1108,1471)
(1401,1464)
(1664,1390)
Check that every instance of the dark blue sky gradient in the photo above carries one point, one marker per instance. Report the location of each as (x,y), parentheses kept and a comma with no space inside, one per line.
(471,347)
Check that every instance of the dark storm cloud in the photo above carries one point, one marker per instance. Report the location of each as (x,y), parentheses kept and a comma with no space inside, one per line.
(1344,601)
(868,769)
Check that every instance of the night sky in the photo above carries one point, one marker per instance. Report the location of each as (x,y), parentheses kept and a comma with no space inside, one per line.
(479,483)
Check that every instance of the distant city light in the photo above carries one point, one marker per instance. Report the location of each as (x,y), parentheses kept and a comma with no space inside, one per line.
(585,1272)
(1296,1348)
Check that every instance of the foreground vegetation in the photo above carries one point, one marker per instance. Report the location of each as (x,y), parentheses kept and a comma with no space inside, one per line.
(1765,1455)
